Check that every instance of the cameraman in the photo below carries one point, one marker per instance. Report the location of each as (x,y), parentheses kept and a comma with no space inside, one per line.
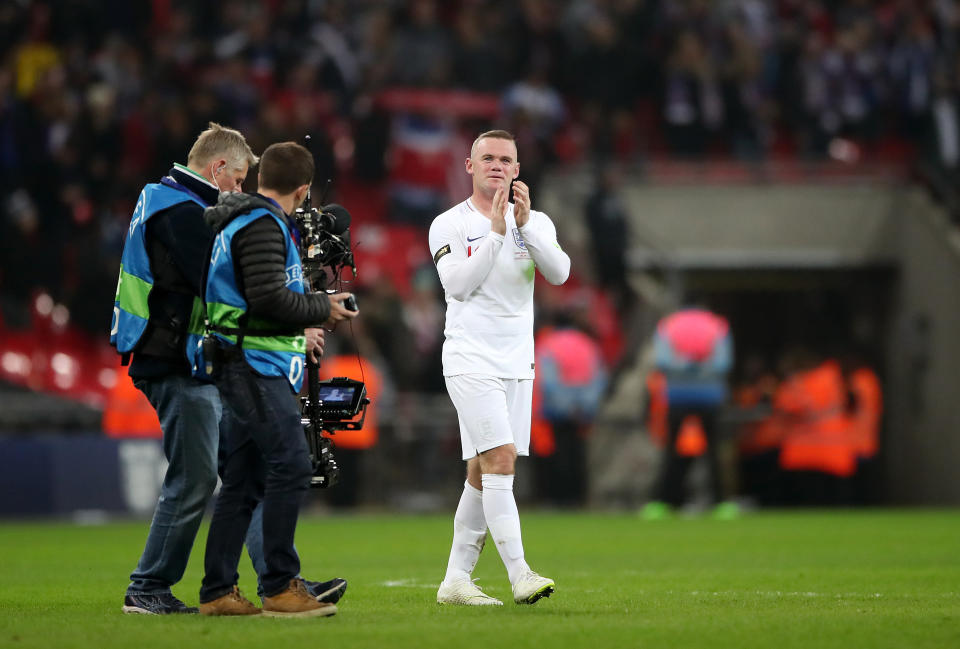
(258,310)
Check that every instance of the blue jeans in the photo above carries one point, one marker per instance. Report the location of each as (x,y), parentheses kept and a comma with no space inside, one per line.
(190,414)
(265,458)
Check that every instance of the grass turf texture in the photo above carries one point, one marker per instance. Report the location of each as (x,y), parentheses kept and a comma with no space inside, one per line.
(777,580)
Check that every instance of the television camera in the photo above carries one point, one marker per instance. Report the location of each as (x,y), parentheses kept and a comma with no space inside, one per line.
(334,404)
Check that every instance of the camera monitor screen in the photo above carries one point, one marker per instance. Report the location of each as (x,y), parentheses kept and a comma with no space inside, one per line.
(336,394)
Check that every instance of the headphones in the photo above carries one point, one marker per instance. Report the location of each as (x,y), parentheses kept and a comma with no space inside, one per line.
(220,169)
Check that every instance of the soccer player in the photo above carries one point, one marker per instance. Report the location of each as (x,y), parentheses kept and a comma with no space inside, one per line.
(487,252)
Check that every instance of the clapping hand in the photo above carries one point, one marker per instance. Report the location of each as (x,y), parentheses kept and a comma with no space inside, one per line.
(498,222)
(521,203)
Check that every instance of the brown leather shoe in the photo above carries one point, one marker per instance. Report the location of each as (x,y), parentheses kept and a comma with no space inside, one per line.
(296,601)
(233,603)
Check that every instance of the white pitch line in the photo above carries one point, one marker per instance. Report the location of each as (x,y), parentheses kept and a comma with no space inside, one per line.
(407,583)
(779,593)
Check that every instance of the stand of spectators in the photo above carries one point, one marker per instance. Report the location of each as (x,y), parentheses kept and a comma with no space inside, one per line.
(97,97)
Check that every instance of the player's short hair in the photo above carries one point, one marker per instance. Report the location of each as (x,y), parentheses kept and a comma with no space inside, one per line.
(498,134)
(284,166)
(220,141)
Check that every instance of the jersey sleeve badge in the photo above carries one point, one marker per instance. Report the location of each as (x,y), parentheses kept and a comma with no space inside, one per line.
(445,250)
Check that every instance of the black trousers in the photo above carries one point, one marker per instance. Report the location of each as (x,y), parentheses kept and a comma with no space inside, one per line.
(816,489)
(673,467)
(562,477)
(263,456)
(762,478)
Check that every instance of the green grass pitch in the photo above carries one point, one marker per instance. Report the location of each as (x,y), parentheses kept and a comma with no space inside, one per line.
(773,580)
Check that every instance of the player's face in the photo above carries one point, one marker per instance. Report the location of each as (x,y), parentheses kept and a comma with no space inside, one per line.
(493,164)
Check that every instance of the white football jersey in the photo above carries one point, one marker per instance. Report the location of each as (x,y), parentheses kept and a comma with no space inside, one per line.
(488,283)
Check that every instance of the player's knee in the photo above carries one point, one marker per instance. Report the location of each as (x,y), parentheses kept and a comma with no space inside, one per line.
(474,473)
(499,460)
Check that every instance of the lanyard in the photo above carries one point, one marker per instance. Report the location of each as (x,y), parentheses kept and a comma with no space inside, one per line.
(294,232)
(173,184)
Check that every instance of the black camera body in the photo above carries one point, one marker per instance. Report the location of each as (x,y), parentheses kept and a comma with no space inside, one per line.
(324,243)
(326,472)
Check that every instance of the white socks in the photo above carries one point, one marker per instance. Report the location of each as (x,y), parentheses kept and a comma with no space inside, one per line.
(469,534)
(503,519)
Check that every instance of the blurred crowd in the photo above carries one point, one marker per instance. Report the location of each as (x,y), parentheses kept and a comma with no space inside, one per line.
(98,97)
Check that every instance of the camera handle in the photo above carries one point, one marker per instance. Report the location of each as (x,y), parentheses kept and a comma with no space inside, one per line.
(321,448)
(313,394)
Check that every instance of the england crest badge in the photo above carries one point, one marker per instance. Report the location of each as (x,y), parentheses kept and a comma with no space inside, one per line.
(521,252)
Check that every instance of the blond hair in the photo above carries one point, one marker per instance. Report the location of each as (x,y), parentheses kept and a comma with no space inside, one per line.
(219,141)
(496,134)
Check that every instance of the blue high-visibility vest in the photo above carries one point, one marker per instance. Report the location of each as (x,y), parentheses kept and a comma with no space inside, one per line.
(131,306)
(266,345)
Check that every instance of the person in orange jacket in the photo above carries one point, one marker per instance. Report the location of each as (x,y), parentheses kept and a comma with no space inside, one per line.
(864,412)
(818,448)
(760,435)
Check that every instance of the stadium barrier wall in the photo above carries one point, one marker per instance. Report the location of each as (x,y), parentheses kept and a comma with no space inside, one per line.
(83,475)
(923,350)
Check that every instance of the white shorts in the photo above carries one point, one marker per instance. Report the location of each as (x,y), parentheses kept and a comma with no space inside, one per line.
(492,412)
